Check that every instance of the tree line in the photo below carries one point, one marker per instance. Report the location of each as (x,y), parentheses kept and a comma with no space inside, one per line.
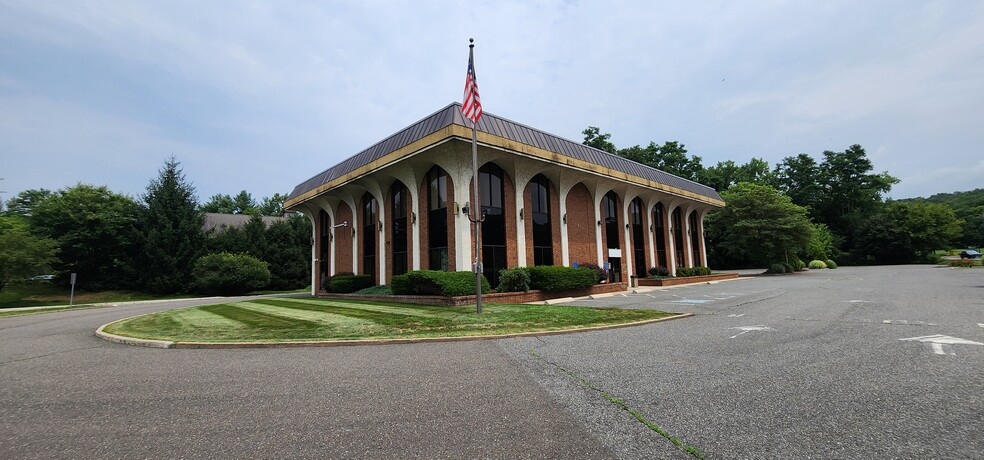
(114,241)
(803,208)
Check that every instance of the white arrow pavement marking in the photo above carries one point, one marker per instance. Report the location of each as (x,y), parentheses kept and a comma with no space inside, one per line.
(736,315)
(980,324)
(745,329)
(859,301)
(938,340)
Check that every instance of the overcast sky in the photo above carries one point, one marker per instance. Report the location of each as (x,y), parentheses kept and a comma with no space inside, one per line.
(263,95)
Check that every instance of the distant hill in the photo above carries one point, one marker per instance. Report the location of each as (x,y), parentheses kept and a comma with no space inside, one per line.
(968,206)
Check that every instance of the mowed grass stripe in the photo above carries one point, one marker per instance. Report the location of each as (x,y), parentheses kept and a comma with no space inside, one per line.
(322,317)
(259,320)
(358,311)
(417,310)
(184,322)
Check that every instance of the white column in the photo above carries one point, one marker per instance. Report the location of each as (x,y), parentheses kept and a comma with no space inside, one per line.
(414,227)
(462,226)
(629,256)
(565,250)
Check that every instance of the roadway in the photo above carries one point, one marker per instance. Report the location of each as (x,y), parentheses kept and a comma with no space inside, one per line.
(807,365)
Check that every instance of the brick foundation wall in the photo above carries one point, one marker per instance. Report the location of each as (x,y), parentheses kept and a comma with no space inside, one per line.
(686,279)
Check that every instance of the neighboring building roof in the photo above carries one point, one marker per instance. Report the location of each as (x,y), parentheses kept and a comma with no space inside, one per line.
(218,221)
(498,127)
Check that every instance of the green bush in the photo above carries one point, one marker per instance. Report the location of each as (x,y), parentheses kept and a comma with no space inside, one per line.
(449,284)
(659,271)
(344,284)
(375,290)
(693,271)
(789,267)
(558,278)
(831,264)
(776,269)
(961,263)
(817,264)
(225,273)
(400,285)
(516,279)
(600,273)
(799,265)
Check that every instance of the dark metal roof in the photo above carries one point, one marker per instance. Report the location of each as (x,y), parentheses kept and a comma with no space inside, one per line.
(501,127)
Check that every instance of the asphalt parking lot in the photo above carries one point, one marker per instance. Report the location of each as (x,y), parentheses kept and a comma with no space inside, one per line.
(884,362)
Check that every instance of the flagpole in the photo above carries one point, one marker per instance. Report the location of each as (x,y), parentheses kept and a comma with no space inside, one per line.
(475,216)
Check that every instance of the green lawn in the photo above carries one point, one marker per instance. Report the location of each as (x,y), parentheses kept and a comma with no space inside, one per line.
(301,319)
(38,294)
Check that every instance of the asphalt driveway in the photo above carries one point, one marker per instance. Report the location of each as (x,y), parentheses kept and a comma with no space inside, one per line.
(807,365)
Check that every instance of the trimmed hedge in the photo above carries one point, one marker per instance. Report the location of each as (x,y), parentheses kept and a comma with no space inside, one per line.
(817,264)
(400,285)
(516,279)
(448,284)
(960,263)
(600,273)
(831,264)
(695,271)
(225,273)
(558,278)
(344,284)
(659,271)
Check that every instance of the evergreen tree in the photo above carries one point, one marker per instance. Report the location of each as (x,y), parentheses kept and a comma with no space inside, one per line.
(173,233)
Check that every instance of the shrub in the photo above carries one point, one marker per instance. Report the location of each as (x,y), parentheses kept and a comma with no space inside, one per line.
(789,267)
(817,264)
(516,279)
(344,284)
(375,290)
(600,273)
(961,263)
(693,271)
(799,265)
(558,278)
(449,284)
(659,271)
(776,269)
(225,273)
(830,264)
(400,285)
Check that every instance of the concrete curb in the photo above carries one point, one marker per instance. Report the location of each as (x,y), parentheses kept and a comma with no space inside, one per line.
(101,333)
(347,343)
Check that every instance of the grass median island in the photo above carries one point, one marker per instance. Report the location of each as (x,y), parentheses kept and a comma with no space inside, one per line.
(309,319)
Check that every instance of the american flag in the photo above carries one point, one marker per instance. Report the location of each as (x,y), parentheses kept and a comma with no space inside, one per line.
(471,108)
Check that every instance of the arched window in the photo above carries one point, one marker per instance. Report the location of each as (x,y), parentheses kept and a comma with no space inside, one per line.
(695,238)
(638,238)
(324,242)
(677,224)
(398,217)
(437,219)
(542,230)
(659,234)
(609,210)
(369,212)
(494,225)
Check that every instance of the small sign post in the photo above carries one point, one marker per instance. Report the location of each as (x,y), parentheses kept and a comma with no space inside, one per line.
(71,297)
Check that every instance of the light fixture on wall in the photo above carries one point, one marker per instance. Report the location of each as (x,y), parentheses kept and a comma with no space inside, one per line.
(599,223)
(652,229)
(521,213)
(464,210)
(380,225)
(564,218)
(413,218)
(626,226)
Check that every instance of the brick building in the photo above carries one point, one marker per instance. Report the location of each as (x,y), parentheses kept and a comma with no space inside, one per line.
(400,205)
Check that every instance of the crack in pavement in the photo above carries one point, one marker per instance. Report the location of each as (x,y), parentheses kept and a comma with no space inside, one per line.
(621,404)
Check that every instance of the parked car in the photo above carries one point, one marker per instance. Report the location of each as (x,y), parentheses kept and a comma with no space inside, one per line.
(970,254)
